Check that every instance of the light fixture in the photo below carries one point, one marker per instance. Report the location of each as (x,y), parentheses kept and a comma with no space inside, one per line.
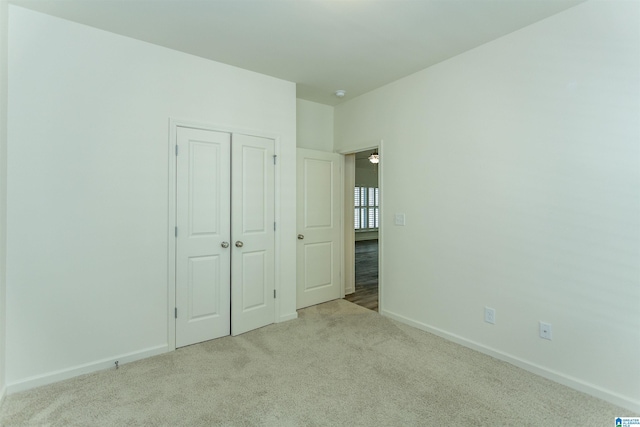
(341,93)
(374,157)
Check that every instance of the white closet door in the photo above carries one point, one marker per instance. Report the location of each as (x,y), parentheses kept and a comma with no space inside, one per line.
(319,252)
(203,229)
(252,225)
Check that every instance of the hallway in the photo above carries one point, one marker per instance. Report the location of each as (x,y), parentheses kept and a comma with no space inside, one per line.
(366,260)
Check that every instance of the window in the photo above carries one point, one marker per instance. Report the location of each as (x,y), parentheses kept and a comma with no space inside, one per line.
(366,202)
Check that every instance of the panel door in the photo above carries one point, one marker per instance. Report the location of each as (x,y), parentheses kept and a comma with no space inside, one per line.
(319,251)
(252,224)
(203,227)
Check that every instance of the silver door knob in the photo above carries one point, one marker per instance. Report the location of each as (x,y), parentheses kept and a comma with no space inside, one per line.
(239,244)
(300,236)
(224,244)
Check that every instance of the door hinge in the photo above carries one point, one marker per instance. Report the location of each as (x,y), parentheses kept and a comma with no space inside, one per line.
(176,231)
(274,226)
(176,150)
(175,312)
(274,159)
(274,293)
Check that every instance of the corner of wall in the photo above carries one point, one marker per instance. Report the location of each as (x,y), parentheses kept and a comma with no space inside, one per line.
(4,36)
(287,317)
(314,126)
(3,394)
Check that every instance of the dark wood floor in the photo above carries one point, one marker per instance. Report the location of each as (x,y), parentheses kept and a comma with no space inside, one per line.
(366,294)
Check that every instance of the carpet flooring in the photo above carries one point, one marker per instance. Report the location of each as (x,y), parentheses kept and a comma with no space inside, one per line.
(337,365)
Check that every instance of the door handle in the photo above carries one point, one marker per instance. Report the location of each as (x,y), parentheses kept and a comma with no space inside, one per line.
(300,236)
(239,244)
(224,244)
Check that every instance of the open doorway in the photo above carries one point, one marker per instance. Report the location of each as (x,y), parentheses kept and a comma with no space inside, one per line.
(364,206)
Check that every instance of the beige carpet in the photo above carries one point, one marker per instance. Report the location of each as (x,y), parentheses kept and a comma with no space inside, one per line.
(337,365)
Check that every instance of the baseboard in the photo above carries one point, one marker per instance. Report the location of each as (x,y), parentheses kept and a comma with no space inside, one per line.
(3,394)
(64,374)
(549,374)
(286,317)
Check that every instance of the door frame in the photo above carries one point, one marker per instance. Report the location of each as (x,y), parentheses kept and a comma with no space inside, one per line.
(171,213)
(349,238)
(348,233)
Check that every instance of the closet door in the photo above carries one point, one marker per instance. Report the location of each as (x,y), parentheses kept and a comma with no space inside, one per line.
(252,225)
(203,252)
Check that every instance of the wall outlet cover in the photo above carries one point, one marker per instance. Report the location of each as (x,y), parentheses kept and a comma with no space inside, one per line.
(399,219)
(545,330)
(490,315)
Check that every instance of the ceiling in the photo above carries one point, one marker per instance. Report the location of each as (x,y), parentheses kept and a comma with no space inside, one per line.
(321,45)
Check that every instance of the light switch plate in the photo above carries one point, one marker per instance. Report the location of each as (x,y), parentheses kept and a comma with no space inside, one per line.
(399,219)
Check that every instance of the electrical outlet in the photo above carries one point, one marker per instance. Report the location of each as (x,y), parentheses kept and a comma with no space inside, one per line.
(490,315)
(545,330)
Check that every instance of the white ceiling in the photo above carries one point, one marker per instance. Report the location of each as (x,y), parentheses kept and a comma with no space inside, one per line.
(322,45)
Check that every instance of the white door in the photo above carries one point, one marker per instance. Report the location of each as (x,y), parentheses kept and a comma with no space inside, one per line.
(225,237)
(203,228)
(319,252)
(253,231)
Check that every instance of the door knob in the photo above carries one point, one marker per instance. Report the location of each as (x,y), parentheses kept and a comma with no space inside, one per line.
(300,236)
(224,244)
(239,244)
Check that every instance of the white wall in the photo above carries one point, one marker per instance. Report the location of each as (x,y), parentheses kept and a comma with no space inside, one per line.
(366,174)
(314,125)
(516,164)
(88,188)
(4,33)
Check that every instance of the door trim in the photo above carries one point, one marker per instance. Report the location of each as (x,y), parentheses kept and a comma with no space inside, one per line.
(171,214)
(348,233)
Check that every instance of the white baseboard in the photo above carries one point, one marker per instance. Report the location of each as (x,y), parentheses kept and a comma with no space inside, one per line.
(549,374)
(3,394)
(64,374)
(286,317)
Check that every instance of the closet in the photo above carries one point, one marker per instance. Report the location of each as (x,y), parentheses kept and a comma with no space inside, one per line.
(224,234)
